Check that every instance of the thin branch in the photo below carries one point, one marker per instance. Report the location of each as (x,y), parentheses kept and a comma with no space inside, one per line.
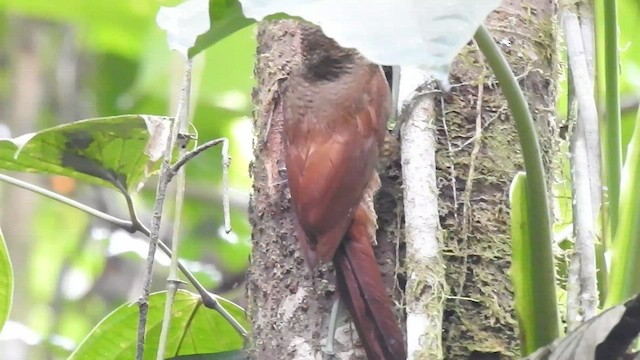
(585,169)
(161,192)
(192,154)
(173,282)
(208,299)
(226,160)
(425,296)
(587,121)
(124,224)
(135,220)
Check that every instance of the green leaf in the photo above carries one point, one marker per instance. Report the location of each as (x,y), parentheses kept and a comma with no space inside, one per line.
(226,17)
(520,266)
(6,282)
(119,151)
(194,330)
(526,255)
(624,277)
(189,32)
(227,355)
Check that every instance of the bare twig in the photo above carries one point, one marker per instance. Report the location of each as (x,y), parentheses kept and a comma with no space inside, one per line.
(124,224)
(173,282)
(208,299)
(226,160)
(193,153)
(425,296)
(161,191)
(585,165)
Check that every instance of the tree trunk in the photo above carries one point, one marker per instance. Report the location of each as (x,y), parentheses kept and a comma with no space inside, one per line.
(477,156)
(479,153)
(289,305)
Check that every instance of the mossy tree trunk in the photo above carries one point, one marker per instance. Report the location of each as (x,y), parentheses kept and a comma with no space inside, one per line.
(289,305)
(477,157)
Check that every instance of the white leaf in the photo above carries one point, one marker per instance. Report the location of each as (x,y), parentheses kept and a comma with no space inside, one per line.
(184,23)
(419,33)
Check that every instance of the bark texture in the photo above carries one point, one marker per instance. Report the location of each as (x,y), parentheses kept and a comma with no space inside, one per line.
(288,304)
(478,155)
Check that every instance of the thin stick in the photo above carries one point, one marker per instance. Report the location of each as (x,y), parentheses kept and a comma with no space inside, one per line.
(208,299)
(161,192)
(65,200)
(226,160)
(173,281)
(424,296)
(193,153)
(585,175)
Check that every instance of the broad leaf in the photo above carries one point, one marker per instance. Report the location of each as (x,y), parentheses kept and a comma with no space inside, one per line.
(194,330)
(119,151)
(227,355)
(226,18)
(6,282)
(606,336)
(184,23)
(427,33)
(195,25)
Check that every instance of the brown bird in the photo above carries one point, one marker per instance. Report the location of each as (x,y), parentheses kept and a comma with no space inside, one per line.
(336,105)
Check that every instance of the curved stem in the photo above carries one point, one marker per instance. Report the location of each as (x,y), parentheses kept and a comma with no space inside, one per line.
(192,154)
(543,278)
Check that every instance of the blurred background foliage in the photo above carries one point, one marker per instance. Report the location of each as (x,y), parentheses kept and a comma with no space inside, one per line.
(62,61)
(66,60)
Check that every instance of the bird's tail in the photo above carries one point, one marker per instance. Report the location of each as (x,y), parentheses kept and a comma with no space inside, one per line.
(363,291)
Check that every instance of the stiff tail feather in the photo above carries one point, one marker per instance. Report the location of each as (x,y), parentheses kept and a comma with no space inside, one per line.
(363,292)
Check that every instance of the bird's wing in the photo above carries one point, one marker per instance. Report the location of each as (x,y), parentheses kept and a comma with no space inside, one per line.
(329,164)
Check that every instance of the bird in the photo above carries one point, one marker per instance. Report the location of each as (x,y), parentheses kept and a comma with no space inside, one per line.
(336,104)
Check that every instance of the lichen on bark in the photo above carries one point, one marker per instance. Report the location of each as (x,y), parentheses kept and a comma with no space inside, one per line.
(478,155)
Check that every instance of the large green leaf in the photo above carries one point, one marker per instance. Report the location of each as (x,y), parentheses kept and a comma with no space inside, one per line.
(195,25)
(119,151)
(6,282)
(227,355)
(226,17)
(194,330)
